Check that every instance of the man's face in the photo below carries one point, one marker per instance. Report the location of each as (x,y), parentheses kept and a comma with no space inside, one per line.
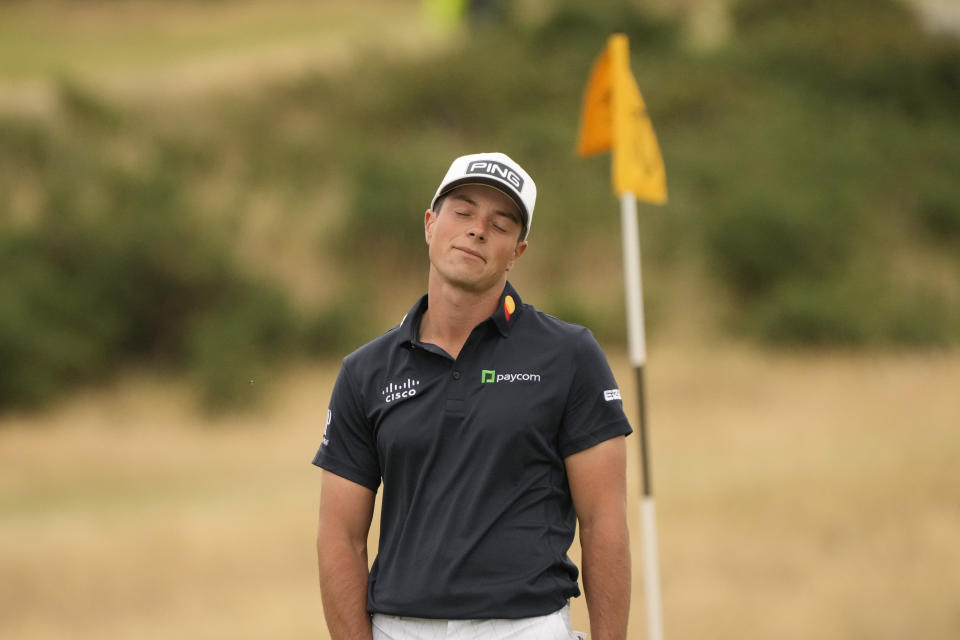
(474,237)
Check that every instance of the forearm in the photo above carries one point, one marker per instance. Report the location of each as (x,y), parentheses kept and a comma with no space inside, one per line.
(606,577)
(343,587)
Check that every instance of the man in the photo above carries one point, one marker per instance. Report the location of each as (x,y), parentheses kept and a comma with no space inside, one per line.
(493,428)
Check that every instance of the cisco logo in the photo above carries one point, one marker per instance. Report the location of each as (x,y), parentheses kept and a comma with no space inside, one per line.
(394,392)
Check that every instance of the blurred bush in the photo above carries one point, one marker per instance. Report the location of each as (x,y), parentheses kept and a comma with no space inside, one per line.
(113,269)
(852,311)
(760,240)
(386,184)
(581,25)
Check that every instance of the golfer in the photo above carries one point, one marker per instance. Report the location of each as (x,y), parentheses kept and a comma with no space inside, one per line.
(492,428)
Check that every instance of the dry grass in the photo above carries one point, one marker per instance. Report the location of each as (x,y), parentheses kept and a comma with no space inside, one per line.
(798,496)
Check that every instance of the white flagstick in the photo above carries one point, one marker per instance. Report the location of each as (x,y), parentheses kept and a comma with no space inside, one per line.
(638,357)
(632,280)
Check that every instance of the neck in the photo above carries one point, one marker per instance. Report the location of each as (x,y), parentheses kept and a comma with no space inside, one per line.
(453,313)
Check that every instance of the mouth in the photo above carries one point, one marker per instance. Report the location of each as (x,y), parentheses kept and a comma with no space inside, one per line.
(470,252)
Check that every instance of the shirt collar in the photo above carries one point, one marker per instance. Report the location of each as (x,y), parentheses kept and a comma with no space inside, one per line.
(509,307)
(410,325)
(507,311)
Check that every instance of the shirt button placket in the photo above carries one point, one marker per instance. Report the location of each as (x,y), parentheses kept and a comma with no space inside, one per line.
(455,394)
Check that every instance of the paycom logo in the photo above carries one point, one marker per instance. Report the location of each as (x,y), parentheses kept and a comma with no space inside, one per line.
(491,376)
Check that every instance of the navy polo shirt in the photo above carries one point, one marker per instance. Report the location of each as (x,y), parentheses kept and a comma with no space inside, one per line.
(477,515)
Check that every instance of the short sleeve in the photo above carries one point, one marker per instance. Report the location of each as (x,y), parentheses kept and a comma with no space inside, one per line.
(348,448)
(594,410)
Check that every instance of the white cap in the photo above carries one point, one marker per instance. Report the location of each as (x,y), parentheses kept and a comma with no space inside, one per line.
(495,170)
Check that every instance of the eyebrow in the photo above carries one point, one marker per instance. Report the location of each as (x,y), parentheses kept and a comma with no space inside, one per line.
(460,196)
(510,215)
(506,214)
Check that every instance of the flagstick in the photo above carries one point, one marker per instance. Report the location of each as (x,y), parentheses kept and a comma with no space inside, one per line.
(638,358)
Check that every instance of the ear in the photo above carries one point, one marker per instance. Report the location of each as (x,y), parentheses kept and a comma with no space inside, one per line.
(521,247)
(429,219)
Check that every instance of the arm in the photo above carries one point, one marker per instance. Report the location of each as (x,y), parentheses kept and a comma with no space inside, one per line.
(346,510)
(597,479)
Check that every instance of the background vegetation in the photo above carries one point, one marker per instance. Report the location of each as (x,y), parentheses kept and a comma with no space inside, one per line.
(810,156)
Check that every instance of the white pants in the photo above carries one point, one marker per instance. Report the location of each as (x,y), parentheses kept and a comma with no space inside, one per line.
(554,626)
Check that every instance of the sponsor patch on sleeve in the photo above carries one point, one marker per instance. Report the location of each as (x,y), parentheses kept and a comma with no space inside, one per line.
(611,394)
(326,428)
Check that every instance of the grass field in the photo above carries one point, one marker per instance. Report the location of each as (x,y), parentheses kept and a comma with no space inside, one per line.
(50,38)
(149,50)
(798,496)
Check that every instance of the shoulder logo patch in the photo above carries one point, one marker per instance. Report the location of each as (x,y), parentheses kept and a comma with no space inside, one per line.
(326,428)
(611,394)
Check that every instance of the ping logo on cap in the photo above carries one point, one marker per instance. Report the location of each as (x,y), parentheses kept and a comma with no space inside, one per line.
(497,170)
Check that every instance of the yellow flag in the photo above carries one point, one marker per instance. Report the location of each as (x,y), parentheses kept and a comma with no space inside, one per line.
(614,116)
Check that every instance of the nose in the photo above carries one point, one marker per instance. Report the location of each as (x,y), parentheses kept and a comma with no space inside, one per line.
(478,231)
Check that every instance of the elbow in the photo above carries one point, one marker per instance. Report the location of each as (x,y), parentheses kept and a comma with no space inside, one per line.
(335,541)
(606,528)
